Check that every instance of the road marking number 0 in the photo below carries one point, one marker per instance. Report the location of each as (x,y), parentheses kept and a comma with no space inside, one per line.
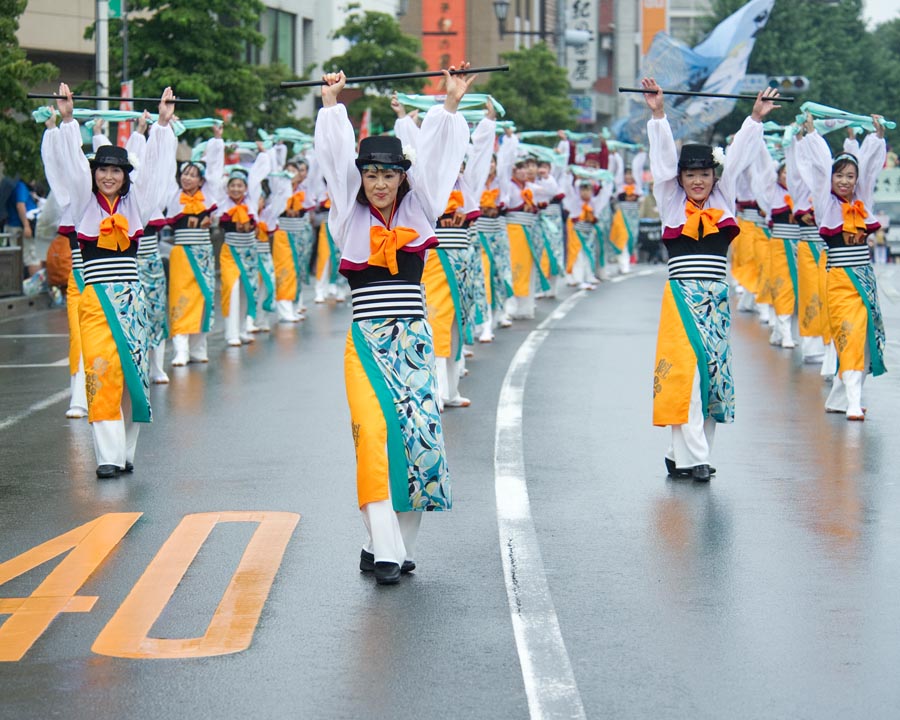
(126,634)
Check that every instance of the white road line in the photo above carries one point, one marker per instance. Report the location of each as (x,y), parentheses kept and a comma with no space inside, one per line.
(58,363)
(37,335)
(31,410)
(546,668)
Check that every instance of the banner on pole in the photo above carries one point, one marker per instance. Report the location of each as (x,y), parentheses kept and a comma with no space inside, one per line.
(124,131)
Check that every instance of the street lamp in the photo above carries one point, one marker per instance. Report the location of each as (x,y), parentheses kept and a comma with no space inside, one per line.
(501,10)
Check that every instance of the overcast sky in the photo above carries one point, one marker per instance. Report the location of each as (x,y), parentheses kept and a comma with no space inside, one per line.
(877,11)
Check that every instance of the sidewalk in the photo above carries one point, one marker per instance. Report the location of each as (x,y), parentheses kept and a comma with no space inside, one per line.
(20,305)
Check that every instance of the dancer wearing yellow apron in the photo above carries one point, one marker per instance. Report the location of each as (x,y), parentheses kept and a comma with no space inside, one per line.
(490,230)
(782,254)
(192,267)
(692,386)
(843,189)
(382,216)
(110,212)
(292,244)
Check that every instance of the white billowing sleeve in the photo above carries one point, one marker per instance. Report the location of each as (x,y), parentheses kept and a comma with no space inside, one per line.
(315,180)
(442,144)
(258,171)
(280,187)
(407,131)
(98,141)
(602,199)
(814,163)
(747,148)
(335,146)
(153,183)
(851,145)
(478,164)
(663,160)
(506,158)
(617,168)
(66,167)
(872,155)
(214,184)
(764,173)
(637,169)
(136,145)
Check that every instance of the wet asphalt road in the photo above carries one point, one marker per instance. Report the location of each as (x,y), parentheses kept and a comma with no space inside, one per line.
(773,592)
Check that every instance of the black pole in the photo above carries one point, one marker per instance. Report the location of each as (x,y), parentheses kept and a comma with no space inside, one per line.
(399,76)
(703,94)
(124,8)
(95,98)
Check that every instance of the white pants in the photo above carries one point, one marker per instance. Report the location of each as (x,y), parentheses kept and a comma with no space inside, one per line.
(624,261)
(692,442)
(447,369)
(157,358)
(78,388)
(812,349)
(191,347)
(232,320)
(747,302)
(115,441)
(390,536)
(522,308)
(846,393)
(581,270)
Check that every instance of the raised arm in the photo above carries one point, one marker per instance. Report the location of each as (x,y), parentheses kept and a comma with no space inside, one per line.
(335,146)
(872,154)
(814,163)
(478,164)
(663,155)
(748,146)
(214,157)
(154,179)
(67,169)
(506,158)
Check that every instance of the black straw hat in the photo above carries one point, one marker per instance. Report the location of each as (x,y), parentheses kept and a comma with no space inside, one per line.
(112,155)
(696,157)
(381,150)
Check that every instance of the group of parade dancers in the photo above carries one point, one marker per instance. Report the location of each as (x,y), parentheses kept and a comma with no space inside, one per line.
(274,212)
(441,236)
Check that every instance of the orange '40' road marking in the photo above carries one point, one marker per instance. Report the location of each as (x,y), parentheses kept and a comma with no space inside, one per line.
(231,628)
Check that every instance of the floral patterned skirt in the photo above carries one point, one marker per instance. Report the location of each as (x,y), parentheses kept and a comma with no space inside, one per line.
(397,432)
(694,327)
(153,280)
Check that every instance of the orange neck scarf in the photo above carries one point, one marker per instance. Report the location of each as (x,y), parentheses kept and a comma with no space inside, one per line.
(628,189)
(456,202)
(296,200)
(587,214)
(239,214)
(114,233)
(384,244)
(789,201)
(489,198)
(193,204)
(528,197)
(262,232)
(708,217)
(854,217)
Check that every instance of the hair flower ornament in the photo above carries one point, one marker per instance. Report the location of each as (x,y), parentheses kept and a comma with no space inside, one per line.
(718,155)
(409,152)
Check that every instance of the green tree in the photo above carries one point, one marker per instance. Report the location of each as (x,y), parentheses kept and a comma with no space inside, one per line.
(535,91)
(829,44)
(20,137)
(377,47)
(199,47)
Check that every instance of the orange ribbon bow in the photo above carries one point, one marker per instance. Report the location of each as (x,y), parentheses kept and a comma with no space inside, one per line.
(456,202)
(628,189)
(327,203)
(528,197)
(193,204)
(789,201)
(262,232)
(489,198)
(114,233)
(854,217)
(239,214)
(296,201)
(709,217)
(587,214)
(384,244)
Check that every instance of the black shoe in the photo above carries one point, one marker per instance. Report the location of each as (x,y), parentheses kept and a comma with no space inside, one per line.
(107,471)
(129,467)
(367,563)
(701,473)
(683,472)
(387,573)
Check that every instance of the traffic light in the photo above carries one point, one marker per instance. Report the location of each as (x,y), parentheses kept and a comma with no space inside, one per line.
(789,84)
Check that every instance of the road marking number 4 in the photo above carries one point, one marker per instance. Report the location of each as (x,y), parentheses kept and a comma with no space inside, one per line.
(127,633)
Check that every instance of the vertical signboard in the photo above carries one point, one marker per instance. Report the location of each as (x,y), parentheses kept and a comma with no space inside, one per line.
(443,37)
(581,60)
(654,18)
(127,90)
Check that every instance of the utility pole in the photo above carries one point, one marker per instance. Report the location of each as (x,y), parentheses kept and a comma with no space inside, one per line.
(124,41)
(561,33)
(101,47)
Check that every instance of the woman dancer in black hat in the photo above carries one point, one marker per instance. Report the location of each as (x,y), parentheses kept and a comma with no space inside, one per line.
(110,215)
(383,213)
(692,386)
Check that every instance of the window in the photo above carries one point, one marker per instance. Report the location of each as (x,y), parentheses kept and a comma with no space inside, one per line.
(279,29)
